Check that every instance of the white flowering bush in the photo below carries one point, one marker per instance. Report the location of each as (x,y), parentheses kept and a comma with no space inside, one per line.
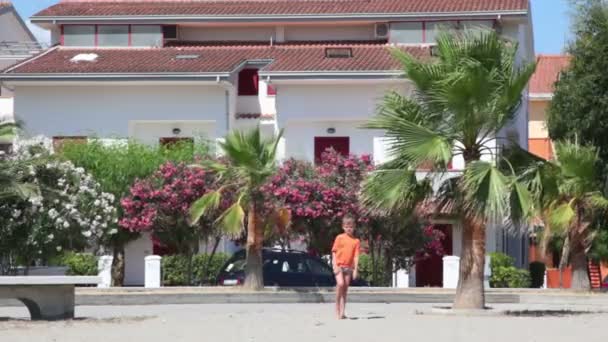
(71,211)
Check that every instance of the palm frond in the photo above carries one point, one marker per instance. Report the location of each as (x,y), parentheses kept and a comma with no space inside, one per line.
(207,203)
(486,191)
(560,217)
(393,190)
(232,220)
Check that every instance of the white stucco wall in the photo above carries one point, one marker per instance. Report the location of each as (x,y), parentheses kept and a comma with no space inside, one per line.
(307,111)
(107,111)
(6,108)
(321,102)
(135,255)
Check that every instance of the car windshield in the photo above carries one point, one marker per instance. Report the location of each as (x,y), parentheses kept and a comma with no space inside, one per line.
(318,268)
(237,265)
(284,263)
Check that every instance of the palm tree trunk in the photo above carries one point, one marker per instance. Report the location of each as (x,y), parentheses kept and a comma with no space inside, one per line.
(580,275)
(254,276)
(563,262)
(470,292)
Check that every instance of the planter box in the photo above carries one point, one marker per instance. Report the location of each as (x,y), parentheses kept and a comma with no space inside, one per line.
(553,278)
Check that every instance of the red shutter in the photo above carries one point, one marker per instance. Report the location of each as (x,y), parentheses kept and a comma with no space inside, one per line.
(271,90)
(248,82)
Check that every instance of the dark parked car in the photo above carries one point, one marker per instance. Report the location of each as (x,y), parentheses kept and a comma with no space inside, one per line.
(285,268)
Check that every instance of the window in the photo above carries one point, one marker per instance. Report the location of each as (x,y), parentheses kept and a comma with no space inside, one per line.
(79,35)
(248,82)
(477,24)
(179,142)
(113,35)
(60,141)
(338,52)
(407,33)
(271,90)
(339,144)
(146,35)
(170,32)
(432,29)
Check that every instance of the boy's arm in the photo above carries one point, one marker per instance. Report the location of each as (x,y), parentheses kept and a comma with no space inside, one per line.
(334,266)
(356,270)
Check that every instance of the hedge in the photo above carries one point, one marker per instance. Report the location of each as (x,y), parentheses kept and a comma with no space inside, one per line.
(174,269)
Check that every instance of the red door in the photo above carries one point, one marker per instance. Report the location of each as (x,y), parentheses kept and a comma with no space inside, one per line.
(340,144)
(429,272)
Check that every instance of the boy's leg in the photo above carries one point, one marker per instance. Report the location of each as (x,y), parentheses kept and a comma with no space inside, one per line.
(347,279)
(339,290)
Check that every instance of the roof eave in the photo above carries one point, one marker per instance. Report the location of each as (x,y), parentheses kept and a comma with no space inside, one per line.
(274,76)
(281,17)
(54,77)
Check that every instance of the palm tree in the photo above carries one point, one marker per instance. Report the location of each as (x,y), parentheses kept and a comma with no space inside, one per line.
(251,161)
(568,200)
(462,99)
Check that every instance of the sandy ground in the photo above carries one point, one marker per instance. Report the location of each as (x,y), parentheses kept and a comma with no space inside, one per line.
(300,323)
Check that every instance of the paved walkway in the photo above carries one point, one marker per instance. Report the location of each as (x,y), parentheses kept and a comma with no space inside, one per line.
(301,323)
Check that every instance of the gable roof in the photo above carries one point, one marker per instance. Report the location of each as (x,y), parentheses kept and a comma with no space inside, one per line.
(240,8)
(5,4)
(215,60)
(6,7)
(547,72)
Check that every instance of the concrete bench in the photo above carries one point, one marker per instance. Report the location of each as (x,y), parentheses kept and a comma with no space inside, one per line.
(46,297)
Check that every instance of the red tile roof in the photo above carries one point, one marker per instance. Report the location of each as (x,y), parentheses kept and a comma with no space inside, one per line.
(216,59)
(547,72)
(274,7)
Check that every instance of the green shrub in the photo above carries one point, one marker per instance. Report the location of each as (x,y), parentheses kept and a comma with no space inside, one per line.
(500,260)
(80,264)
(537,274)
(174,269)
(505,275)
(209,276)
(366,271)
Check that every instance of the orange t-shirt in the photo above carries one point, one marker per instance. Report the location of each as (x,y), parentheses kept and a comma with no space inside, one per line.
(345,247)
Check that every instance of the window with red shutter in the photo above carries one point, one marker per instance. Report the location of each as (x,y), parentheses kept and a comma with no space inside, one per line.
(340,144)
(248,82)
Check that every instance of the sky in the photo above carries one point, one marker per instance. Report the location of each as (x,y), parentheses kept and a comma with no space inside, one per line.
(551,21)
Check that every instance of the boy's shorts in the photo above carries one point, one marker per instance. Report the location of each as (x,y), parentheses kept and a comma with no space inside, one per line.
(345,270)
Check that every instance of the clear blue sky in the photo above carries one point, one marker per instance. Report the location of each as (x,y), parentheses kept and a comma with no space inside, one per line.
(550,19)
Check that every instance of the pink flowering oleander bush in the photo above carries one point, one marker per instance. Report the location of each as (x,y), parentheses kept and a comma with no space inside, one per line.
(318,196)
(160,205)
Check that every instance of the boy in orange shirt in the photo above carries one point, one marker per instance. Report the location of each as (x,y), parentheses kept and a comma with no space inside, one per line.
(345,260)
